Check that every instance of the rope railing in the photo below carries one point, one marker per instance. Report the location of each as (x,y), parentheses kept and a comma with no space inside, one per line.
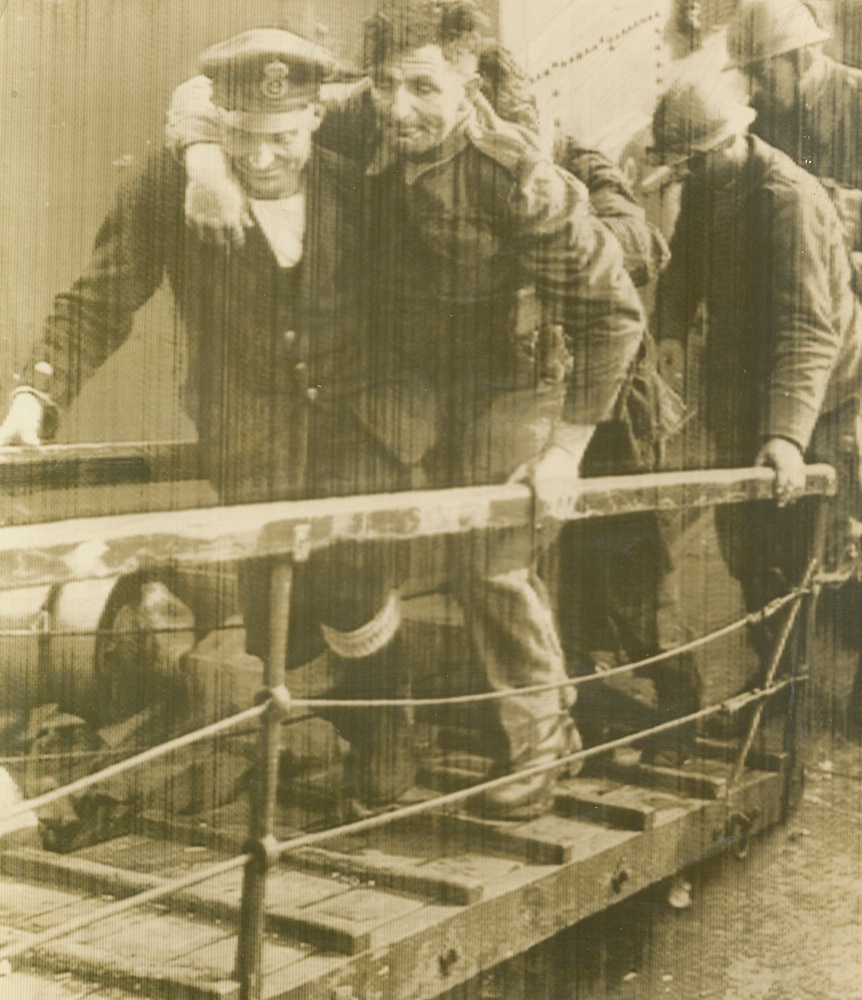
(753,618)
(149,755)
(231,722)
(279,849)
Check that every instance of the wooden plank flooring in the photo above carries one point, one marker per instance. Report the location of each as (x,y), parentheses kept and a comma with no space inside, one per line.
(412,909)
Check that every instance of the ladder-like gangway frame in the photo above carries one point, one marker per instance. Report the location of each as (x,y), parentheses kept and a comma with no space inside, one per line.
(286,533)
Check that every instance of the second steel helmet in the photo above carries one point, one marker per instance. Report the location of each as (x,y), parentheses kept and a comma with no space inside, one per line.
(695,116)
(764,29)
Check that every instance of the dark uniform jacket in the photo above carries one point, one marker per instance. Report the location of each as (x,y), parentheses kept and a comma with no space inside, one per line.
(765,255)
(261,338)
(824,134)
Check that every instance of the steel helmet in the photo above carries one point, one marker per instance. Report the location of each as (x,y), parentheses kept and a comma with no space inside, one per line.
(697,115)
(764,29)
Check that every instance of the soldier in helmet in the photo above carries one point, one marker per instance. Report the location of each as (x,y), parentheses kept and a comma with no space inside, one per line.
(758,243)
(808,105)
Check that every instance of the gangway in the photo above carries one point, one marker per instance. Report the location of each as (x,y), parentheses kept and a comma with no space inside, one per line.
(403,904)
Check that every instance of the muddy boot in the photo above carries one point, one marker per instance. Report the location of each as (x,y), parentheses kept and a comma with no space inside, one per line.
(532,796)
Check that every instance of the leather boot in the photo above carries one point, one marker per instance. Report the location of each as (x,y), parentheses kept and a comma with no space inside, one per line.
(381,764)
(532,796)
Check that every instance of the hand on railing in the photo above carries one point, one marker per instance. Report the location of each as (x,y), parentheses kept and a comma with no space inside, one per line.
(787,460)
(23,422)
(555,475)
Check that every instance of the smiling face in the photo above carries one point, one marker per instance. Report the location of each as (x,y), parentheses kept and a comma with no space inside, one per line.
(421,97)
(267,163)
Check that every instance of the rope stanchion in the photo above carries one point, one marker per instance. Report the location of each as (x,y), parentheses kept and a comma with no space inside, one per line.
(772,668)
(153,753)
(279,849)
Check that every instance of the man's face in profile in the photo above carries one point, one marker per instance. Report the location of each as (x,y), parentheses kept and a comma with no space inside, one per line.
(421,97)
(266,162)
(775,84)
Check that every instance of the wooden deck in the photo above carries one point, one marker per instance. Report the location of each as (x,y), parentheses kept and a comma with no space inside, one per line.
(413,909)
(409,911)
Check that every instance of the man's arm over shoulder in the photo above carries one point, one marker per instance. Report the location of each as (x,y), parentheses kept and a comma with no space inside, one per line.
(90,320)
(349,124)
(191,117)
(612,200)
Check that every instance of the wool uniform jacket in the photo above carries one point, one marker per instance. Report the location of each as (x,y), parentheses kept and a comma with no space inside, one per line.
(403,308)
(765,255)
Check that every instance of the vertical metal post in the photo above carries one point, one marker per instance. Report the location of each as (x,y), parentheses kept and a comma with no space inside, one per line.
(263,798)
(794,731)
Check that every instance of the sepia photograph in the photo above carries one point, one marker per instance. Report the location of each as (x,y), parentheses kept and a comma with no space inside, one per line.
(431,500)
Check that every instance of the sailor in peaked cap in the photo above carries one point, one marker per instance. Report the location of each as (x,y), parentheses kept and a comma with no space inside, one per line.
(266,87)
(264,76)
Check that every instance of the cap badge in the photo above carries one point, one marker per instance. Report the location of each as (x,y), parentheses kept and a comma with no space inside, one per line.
(274,83)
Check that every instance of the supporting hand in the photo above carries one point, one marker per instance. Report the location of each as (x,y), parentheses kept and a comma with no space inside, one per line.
(23,422)
(787,460)
(216,208)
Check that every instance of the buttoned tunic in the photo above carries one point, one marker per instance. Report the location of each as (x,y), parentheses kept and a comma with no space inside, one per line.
(261,339)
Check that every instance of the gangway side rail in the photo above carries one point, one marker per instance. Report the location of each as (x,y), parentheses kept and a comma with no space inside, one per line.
(90,548)
(61,466)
